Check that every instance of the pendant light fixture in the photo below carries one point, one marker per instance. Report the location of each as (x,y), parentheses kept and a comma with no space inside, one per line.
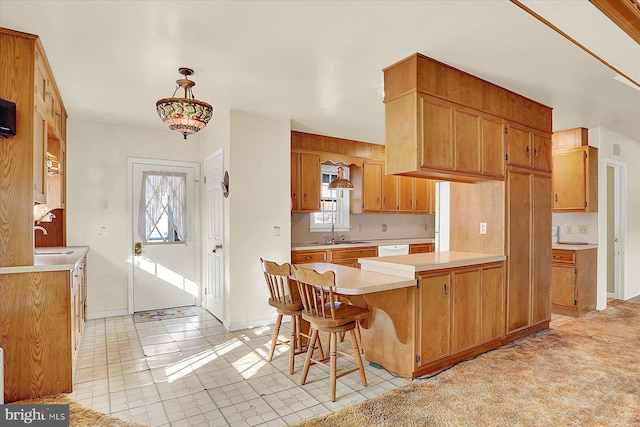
(340,183)
(184,115)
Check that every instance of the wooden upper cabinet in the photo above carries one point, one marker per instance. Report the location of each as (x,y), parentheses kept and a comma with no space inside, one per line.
(528,149)
(389,193)
(443,123)
(39,154)
(570,138)
(372,186)
(437,134)
(467,141)
(575,180)
(492,162)
(305,182)
(405,194)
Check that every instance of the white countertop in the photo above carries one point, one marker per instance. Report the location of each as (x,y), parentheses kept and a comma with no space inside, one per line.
(304,246)
(353,281)
(573,247)
(408,265)
(51,259)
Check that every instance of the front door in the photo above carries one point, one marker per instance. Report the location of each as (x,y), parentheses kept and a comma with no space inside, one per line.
(213,298)
(163,208)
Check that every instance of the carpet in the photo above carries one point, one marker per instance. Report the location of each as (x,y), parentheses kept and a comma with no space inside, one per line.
(163,314)
(585,372)
(80,416)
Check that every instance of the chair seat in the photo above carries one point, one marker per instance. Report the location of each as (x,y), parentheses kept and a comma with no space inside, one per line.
(294,306)
(345,314)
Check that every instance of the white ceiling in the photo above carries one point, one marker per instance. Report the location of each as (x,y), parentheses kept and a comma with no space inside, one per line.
(320,63)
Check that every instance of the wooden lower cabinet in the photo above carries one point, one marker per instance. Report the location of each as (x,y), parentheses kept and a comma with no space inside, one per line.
(41,319)
(573,283)
(452,315)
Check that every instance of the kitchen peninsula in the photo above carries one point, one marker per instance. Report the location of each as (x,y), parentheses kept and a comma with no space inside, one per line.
(427,311)
(455,311)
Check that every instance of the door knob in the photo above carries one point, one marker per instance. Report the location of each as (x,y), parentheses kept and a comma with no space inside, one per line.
(216,248)
(137,249)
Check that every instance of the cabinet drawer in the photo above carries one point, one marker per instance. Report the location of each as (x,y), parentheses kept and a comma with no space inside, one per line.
(421,248)
(353,253)
(563,256)
(308,256)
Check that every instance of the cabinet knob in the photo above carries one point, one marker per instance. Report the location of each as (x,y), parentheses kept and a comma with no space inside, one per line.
(528,151)
(446,290)
(535,153)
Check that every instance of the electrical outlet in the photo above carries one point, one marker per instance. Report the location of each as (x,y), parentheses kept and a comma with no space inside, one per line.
(483,228)
(583,229)
(569,229)
(384,227)
(103,231)
(276,230)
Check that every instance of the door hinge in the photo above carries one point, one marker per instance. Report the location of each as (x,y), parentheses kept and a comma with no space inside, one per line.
(205,291)
(506,157)
(585,155)
(418,284)
(205,179)
(575,302)
(417,358)
(506,129)
(575,271)
(585,204)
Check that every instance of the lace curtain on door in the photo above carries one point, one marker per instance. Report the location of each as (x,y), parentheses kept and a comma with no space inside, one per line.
(163,205)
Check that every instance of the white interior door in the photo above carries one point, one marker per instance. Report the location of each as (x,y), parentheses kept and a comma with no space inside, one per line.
(164,215)
(615,234)
(213,298)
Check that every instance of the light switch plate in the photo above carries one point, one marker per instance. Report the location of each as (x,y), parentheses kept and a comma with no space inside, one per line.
(483,228)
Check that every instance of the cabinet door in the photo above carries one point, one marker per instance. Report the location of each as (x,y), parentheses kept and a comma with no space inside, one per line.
(569,180)
(435,312)
(39,154)
(467,141)
(405,194)
(295,181)
(519,241)
(372,186)
(518,147)
(465,321)
(492,147)
(563,288)
(437,135)
(541,250)
(389,193)
(421,195)
(492,303)
(309,182)
(541,152)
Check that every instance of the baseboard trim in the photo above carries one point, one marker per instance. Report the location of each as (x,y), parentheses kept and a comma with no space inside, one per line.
(237,326)
(103,314)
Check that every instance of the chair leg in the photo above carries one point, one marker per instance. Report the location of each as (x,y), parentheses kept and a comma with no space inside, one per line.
(298,336)
(307,360)
(359,336)
(293,340)
(274,340)
(356,351)
(333,344)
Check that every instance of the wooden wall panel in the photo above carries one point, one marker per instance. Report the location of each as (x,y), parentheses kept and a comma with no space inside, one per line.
(16,152)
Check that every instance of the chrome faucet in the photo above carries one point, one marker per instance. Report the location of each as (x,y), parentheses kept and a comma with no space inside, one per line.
(41,228)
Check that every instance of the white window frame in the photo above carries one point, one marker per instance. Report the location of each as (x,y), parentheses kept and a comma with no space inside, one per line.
(341,196)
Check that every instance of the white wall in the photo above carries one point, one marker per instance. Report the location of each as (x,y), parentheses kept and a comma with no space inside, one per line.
(256,155)
(605,139)
(97,196)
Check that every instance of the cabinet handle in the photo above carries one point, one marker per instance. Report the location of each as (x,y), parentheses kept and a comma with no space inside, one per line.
(307,257)
(304,197)
(528,154)
(535,153)
(446,290)
(293,196)
(377,200)
(556,197)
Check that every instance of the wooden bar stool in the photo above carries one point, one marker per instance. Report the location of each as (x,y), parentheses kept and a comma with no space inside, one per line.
(325,313)
(286,301)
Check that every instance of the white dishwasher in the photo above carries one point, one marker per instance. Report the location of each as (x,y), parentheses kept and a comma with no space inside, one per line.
(390,250)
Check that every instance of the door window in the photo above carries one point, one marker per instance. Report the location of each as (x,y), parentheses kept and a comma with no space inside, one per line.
(162,214)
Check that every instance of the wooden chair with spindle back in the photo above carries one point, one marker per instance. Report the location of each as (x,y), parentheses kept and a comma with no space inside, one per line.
(286,300)
(326,313)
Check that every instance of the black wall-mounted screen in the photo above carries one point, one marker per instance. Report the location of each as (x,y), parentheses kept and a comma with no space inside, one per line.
(7,118)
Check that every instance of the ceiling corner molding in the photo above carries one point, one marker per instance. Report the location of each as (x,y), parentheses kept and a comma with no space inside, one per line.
(624,13)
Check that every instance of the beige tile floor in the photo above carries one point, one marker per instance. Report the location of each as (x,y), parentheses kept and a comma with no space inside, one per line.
(191,371)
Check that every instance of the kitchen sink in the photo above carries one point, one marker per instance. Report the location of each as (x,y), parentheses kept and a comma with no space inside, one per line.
(53,253)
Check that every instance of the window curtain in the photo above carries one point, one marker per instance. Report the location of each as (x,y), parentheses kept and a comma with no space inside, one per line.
(163,207)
